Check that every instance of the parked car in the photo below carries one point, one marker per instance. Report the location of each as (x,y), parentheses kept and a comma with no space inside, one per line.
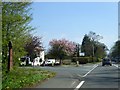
(106,61)
(25,60)
(51,61)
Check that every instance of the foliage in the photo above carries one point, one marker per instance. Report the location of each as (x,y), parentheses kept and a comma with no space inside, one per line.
(15,28)
(34,41)
(24,77)
(66,62)
(100,50)
(86,46)
(61,48)
(92,47)
(0,32)
(115,50)
(84,60)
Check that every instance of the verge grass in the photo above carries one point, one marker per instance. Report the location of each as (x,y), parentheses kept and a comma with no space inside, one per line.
(24,77)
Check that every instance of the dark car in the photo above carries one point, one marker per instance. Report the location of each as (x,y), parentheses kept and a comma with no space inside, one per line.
(106,61)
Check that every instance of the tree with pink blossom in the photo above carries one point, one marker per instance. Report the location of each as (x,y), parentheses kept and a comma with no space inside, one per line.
(59,49)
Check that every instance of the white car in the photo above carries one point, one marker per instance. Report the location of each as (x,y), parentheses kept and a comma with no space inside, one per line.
(49,61)
(25,60)
(52,61)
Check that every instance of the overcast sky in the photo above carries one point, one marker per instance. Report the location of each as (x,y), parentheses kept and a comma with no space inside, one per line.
(72,20)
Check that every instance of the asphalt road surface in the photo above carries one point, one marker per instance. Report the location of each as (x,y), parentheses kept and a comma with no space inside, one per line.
(83,77)
(102,77)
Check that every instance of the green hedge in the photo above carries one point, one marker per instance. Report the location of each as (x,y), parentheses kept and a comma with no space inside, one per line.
(84,60)
(66,62)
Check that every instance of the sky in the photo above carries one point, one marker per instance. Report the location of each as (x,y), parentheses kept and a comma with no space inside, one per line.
(72,20)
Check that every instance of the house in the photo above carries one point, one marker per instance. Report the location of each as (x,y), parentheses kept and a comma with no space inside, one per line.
(39,60)
(40,54)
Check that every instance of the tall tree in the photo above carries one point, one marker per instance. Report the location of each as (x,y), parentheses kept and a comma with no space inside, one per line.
(94,39)
(15,28)
(86,46)
(0,32)
(100,50)
(92,47)
(30,46)
(115,50)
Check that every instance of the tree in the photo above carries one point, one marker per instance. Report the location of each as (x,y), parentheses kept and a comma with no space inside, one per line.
(30,46)
(15,28)
(92,47)
(0,32)
(115,50)
(94,39)
(86,46)
(61,48)
(100,50)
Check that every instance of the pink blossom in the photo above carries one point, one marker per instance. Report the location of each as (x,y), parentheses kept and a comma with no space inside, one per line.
(66,45)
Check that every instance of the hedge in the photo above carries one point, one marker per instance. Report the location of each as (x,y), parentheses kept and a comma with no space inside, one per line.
(84,60)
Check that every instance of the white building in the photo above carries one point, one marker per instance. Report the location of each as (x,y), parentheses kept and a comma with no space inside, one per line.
(39,60)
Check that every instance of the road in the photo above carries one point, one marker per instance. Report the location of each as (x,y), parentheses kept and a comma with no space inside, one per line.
(85,76)
(102,77)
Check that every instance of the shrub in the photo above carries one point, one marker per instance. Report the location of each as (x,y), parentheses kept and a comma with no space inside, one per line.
(84,60)
(66,62)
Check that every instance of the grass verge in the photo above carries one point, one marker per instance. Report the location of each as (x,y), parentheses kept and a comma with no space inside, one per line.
(24,77)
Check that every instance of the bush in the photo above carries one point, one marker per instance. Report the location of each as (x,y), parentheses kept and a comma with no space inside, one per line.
(84,60)
(66,62)
(92,59)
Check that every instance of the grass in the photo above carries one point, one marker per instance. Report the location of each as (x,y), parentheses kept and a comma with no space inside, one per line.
(24,77)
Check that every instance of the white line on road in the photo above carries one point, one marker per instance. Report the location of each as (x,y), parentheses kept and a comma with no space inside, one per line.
(73,84)
(89,71)
(80,84)
(115,65)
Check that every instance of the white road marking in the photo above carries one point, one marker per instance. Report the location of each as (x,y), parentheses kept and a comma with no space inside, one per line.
(88,71)
(79,75)
(115,65)
(80,84)
(73,84)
